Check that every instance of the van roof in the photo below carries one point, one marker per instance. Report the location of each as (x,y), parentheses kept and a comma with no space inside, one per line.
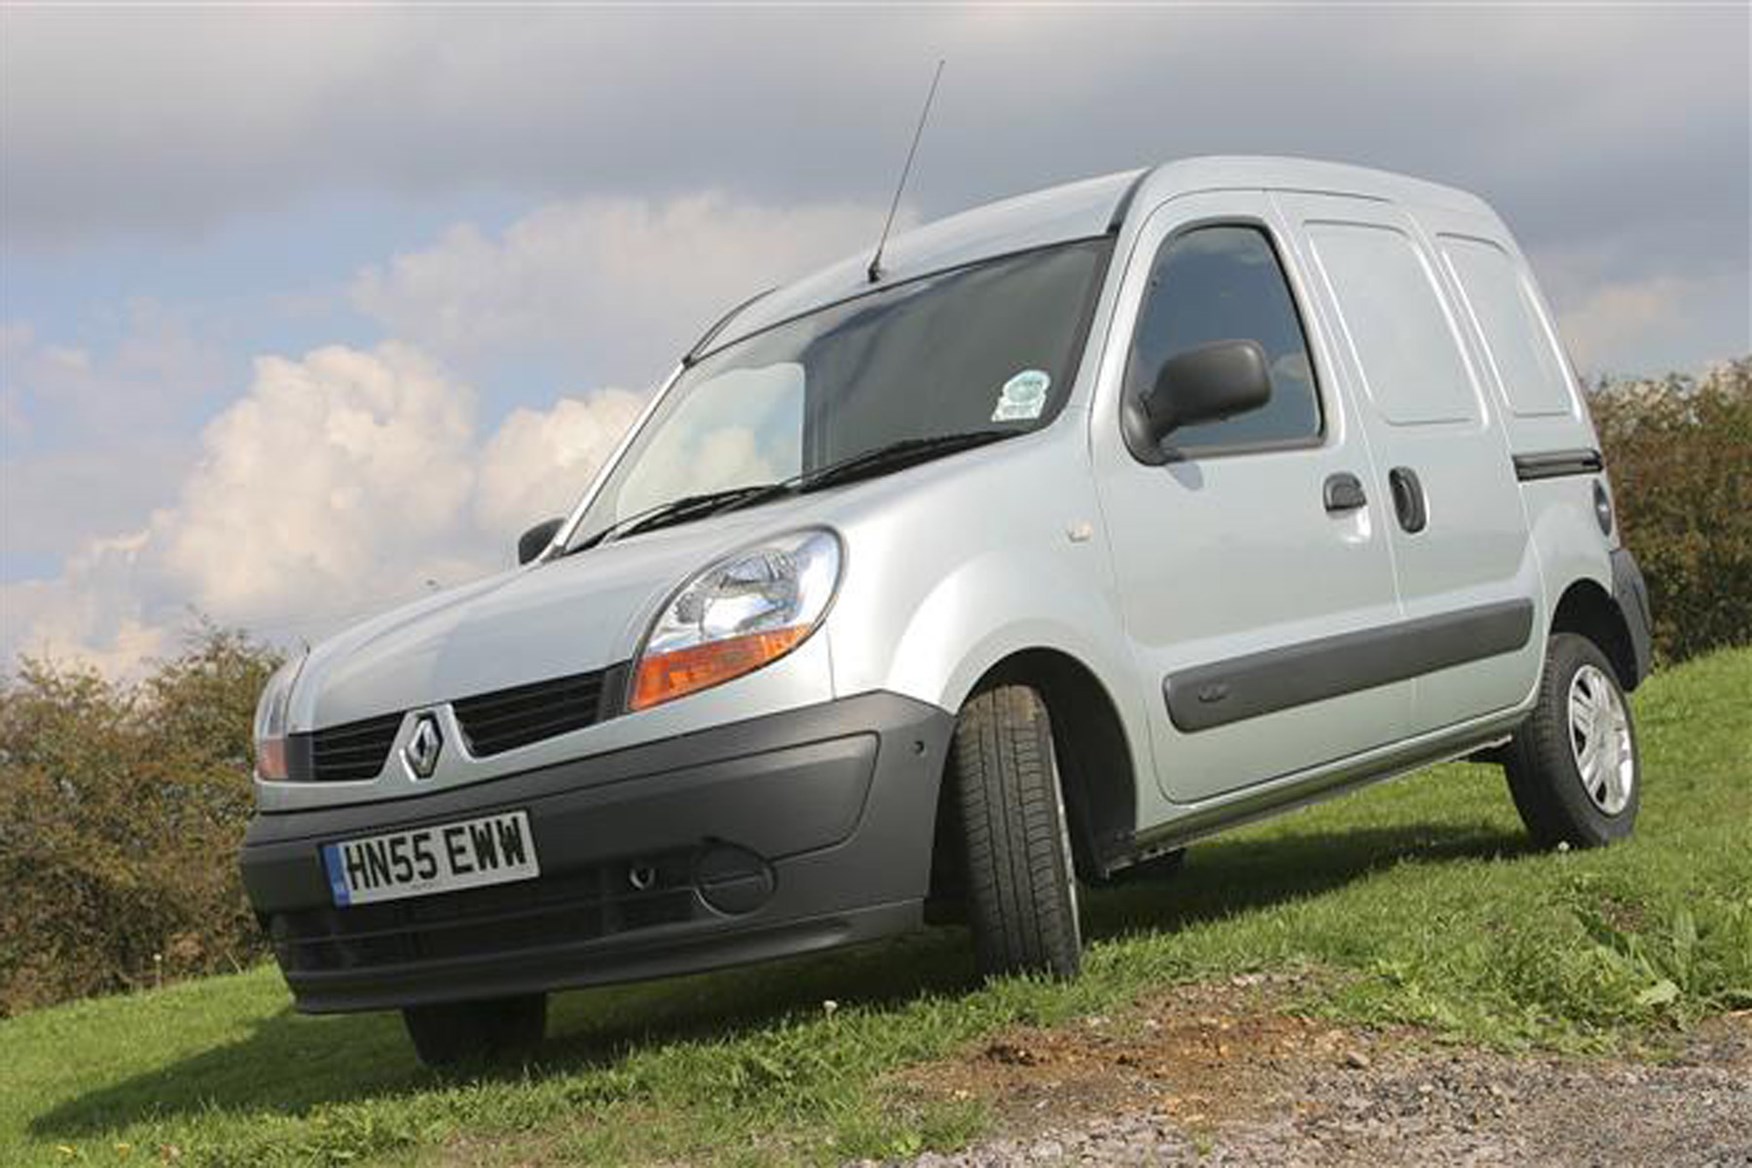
(1076,210)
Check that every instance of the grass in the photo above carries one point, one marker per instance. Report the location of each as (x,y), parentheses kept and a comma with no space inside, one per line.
(1420,898)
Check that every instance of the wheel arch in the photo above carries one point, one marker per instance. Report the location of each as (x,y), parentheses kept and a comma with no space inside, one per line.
(1096,765)
(1588,610)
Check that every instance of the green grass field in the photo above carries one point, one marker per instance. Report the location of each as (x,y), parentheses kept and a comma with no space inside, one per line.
(1416,902)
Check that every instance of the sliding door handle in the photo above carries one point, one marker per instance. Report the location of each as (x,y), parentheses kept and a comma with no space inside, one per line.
(1343,492)
(1408,499)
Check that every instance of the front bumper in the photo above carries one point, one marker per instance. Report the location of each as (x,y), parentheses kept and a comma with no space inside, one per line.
(780,835)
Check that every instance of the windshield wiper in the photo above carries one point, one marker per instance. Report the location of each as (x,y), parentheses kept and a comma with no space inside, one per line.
(675,511)
(881,460)
(893,456)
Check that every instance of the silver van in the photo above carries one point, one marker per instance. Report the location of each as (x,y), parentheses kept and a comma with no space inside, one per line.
(1088,524)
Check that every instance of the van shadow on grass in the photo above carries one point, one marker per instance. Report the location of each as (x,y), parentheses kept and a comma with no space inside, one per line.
(290,1064)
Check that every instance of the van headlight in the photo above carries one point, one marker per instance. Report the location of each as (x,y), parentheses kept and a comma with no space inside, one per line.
(743,612)
(270,721)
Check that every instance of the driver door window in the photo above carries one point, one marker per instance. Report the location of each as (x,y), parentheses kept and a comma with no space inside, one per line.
(1224,283)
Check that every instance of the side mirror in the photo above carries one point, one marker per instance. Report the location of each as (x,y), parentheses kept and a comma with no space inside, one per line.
(535,541)
(1207,384)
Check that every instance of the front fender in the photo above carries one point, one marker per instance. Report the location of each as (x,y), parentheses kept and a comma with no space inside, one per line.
(979,614)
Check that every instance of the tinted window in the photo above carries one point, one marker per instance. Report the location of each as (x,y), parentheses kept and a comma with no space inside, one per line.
(1410,360)
(1224,284)
(1520,349)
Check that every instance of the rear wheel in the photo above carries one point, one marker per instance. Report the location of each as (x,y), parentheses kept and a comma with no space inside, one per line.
(1573,766)
(501,1030)
(1021,879)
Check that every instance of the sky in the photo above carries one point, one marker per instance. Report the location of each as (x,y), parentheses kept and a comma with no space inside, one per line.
(306,311)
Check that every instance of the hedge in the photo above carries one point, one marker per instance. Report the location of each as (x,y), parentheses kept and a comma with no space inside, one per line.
(121,811)
(1679,453)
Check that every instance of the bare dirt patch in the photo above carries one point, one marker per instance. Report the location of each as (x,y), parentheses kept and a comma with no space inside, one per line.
(1217,1075)
(1204,1055)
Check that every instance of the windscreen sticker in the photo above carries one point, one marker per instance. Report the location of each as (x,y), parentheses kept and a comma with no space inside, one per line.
(1023,397)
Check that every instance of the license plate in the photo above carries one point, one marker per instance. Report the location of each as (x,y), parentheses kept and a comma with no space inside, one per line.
(494,849)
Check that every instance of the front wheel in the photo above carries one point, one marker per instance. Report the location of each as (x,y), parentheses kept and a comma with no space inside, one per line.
(1573,766)
(1021,879)
(498,1031)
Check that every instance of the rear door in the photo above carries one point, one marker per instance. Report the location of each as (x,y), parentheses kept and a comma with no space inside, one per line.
(1243,565)
(1467,576)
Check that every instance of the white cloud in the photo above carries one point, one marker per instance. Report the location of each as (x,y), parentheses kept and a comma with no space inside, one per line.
(338,484)
(92,613)
(1645,326)
(624,284)
(329,467)
(538,463)
(1612,314)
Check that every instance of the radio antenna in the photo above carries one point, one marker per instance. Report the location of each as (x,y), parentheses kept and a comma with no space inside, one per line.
(875,270)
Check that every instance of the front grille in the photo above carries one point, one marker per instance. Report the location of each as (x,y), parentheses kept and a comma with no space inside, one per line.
(508,718)
(595,902)
(354,751)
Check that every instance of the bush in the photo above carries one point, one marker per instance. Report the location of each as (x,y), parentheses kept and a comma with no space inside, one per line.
(121,812)
(1679,451)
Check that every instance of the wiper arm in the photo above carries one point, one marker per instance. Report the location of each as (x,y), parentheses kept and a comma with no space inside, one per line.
(884,458)
(674,511)
(894,456)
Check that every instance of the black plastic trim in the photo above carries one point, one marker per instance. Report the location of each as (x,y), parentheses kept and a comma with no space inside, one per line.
(832,805)
(1343,491)
(1223,692)
(522,715)
(333,754)
(1557,464)
(1409,505)
(1631,592)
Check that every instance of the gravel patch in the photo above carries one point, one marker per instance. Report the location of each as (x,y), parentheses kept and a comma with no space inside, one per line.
(1290,1092)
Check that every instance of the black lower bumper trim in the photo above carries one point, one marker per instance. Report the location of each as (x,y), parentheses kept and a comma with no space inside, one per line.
(779,835)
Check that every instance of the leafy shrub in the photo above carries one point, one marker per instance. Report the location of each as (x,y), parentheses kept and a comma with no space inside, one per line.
(1680,454)
(121,811)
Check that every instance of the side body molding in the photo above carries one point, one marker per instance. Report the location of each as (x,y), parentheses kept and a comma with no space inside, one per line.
(1222,692)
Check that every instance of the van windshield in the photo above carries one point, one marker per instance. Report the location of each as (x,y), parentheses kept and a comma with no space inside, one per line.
(986,349)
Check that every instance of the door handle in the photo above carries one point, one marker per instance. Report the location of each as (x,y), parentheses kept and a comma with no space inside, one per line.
(1408,499)
(1343,492)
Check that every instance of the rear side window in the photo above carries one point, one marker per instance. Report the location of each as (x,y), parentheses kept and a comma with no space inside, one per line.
(1404,342)
(1224,284)
(1516,340)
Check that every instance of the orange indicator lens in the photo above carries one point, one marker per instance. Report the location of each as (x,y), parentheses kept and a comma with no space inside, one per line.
(664,676)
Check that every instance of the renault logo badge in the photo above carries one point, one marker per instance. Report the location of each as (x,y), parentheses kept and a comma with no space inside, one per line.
(424,747)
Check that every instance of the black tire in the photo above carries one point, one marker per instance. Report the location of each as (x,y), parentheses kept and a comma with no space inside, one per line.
(1021,878)
(495,1032)
(1555,802)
